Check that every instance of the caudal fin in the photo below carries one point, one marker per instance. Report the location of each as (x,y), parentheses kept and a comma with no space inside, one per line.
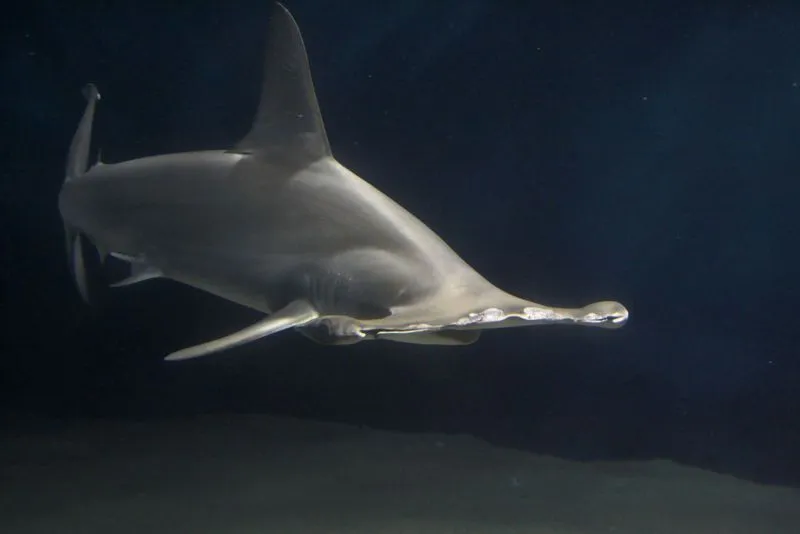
(85,263)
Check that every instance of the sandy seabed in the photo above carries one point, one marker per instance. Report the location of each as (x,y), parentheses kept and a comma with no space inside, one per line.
(255,474)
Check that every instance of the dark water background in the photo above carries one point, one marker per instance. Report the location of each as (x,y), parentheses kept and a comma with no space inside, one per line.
(647,154)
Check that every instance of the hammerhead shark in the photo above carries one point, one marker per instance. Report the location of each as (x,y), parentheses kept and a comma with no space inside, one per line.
(277,224)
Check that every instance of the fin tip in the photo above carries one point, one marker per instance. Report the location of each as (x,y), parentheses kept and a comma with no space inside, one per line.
(90,92)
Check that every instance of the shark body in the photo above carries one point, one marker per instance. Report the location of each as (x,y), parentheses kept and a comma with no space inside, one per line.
(277,224)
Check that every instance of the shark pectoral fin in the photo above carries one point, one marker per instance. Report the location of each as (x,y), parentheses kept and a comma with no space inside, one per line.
(297,313)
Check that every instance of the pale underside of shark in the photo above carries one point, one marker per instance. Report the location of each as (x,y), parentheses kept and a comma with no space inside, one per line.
(277,224)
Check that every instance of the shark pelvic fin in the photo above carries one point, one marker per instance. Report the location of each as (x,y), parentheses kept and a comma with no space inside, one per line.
(140,270)
(139,273)
(297,313)
(288,120)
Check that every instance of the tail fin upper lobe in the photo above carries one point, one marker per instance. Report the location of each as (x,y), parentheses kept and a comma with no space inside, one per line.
(78,157)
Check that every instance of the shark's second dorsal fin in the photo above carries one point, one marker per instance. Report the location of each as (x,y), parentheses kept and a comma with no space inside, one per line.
(288,118)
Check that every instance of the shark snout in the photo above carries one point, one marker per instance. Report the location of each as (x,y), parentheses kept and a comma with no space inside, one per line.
(605,314)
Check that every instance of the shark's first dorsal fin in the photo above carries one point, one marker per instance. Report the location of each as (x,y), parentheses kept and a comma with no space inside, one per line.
(288,118)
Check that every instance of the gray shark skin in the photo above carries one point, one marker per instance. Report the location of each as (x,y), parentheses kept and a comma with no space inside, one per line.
(275,223)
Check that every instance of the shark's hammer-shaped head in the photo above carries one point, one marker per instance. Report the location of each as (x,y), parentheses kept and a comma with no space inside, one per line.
(604,314)
(493,311)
